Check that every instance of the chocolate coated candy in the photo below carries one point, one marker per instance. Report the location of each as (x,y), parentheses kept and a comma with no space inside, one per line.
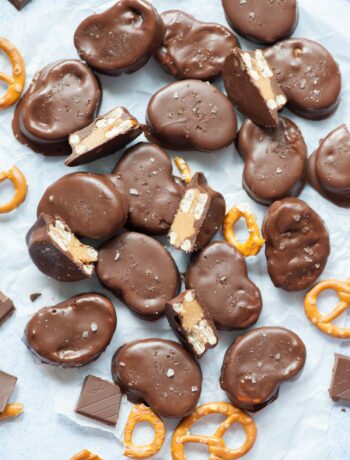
(191,114)
(275,160)
(72,333)
(258,362)
(218,274)
(193,49)
(62,98)
(89,204)
(144,173)
(340,385)
(309,76)
(140,271)
(160,373)
(122,39)
(297,244)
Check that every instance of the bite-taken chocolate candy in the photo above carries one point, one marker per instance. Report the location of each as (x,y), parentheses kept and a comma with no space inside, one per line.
(200,214)
(192,323)
(297,244)
(169,379)
(72,333)
(88,203)
(252,87)
(63,97)
(218,274)
(145,174)
(258,362)
(121,39)
(262,21)
(308,75)
(139,271)
(7,308)
(104,136)
(192,48)
(275,160)
(329,167)
(191,114)
(56,251)
(340,385)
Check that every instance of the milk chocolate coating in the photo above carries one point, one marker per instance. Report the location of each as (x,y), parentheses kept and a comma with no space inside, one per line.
(89,204)
(122,39)
(72,333)
(297,244)
(258,362)
(192,48)
(275,160)
(262,21)
(144,173)
(63,97)
(160,373)
(191,114)
(139,271)
(219,276)
(308,75)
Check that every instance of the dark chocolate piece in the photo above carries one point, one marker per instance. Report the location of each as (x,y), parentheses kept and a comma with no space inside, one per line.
(191,114)
(7,308)
(33,297)
(19,4)
(72,333)
(340,385)
(275,160)
(297,244)
(7,385)
(169,379)
(200,214)
(99,400)
(258,362)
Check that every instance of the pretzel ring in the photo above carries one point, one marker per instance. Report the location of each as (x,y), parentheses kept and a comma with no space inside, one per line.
(142,413)
(86,455)
(17,79)
(216,445)
(20,184)
(12,410)
(184,169)
(252,246)
(324,323)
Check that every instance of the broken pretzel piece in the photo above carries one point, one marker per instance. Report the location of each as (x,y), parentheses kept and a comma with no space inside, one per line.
(16,81)
(86,455)
(20,185)
(184,169)
(11,411)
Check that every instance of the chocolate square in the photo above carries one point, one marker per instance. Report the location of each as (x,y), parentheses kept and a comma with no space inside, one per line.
(340,385)
(19,4)
(7,308)
(7,385)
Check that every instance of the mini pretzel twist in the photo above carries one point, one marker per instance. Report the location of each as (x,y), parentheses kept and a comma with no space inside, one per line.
(142,413)
(216,444)
(86,455)
(324,322)
(20,185)
(16,81)
(12,410)
(252,246)
(184,169)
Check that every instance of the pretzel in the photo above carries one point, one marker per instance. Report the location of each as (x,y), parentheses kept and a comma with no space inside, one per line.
(142,413)
(216,444)
(17,79)
(11,410)
(324,323)
(20,184)
(184,169)
(86,455)
(252,246)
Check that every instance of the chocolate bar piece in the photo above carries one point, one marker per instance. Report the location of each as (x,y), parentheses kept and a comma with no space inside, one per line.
(7,308)
(340,385)
(19,4)
(7,385)
(33,297)
(99,400)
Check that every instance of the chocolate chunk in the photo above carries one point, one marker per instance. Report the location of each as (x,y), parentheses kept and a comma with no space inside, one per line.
(258,362)
(33,297)
(19,4)
(144,173)
(121,39)
(89,204)
(63,97)
(191,114)
(275,160)
(218,274)
(7,308)
(100,400)
(297,244)
(200,214)
(139,271)
(308,75)
(169,380)
(193,49)
(57,252)
(340,385)
(72,333)
(252,87)
(7,385)
(262,21)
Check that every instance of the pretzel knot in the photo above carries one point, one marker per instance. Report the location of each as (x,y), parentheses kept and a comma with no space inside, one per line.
(142,413)
(252,246)
(20,185)
(184,169)
(216,444)
(16,81)
(324,322)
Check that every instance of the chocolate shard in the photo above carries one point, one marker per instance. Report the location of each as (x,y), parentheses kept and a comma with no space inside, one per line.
(33,297)
(19,4)
(340,385)
(7,308)
(7,385)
